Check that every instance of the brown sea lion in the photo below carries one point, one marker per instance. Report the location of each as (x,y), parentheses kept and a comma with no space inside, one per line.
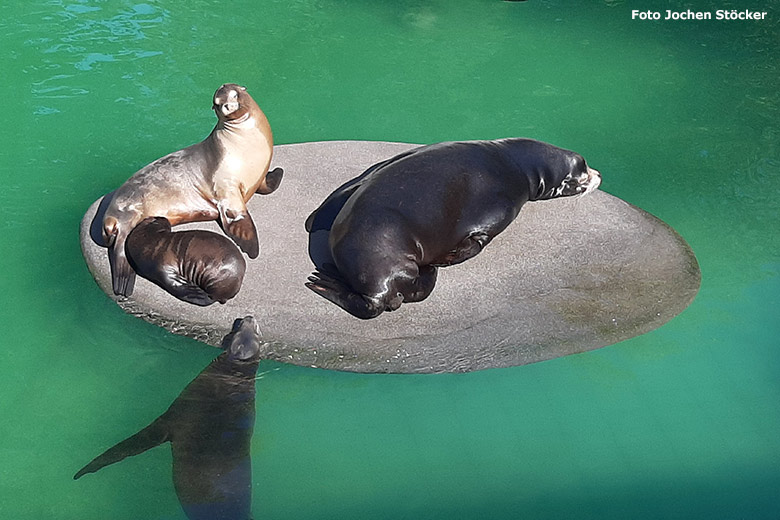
(196,266)
(210,180)
(430,207)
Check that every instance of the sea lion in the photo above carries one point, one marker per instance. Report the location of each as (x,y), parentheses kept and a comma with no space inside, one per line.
(432,206)
(210,180)
(210,428)
(196,266)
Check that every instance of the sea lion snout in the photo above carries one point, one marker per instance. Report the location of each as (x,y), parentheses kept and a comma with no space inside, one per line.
(226,98)
(593,180)
(585,182)
(227,105)
(578,183)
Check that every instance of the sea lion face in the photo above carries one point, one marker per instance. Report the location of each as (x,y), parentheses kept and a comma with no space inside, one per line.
(230,102)
(579,180)
(243,342)
(578,183)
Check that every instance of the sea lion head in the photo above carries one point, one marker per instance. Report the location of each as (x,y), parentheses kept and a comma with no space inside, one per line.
(575,178)
(243,341)
(232,102)
(547,170)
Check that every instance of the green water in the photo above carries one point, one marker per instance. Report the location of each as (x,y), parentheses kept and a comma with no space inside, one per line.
(681,118)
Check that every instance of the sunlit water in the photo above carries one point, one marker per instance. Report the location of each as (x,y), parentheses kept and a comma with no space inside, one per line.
(680,117)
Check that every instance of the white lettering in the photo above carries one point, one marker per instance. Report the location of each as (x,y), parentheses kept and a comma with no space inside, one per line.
(720,14)
(687,15)
(723,14)
(645,15)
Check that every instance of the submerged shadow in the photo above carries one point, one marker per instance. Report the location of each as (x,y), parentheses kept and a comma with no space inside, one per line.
(210,428)
(96,227)
(318,225)
(319,251)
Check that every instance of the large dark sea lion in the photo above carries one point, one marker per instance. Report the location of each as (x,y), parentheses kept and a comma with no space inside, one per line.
(433,206)
(196,266)
(210,180)
(210,428)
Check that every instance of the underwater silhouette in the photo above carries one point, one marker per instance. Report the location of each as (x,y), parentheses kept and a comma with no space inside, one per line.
(210,428)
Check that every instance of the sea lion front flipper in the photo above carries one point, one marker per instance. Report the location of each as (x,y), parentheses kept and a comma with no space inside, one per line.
(422,286)
(191,293)
(337,292)
(238,225)
(469,247)
(122,274)
(184,289)
(272,181)
(151,436)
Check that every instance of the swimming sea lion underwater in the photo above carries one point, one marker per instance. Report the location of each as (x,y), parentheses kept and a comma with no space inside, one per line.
(210,427)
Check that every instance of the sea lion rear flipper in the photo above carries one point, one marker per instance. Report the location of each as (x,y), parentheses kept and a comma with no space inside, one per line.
(122,274)
(339,293)
(151,436)
(239,226)
(272,181)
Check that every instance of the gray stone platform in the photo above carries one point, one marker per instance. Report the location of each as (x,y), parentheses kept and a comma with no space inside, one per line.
(569,275)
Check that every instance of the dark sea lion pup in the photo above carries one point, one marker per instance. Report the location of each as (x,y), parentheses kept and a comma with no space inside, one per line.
(210,428)
(210,180)
(196,266)
(430,207)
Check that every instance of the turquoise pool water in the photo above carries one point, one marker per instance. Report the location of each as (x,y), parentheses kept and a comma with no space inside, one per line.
(681,117)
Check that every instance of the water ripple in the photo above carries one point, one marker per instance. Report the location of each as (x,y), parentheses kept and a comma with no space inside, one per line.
(90,34)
